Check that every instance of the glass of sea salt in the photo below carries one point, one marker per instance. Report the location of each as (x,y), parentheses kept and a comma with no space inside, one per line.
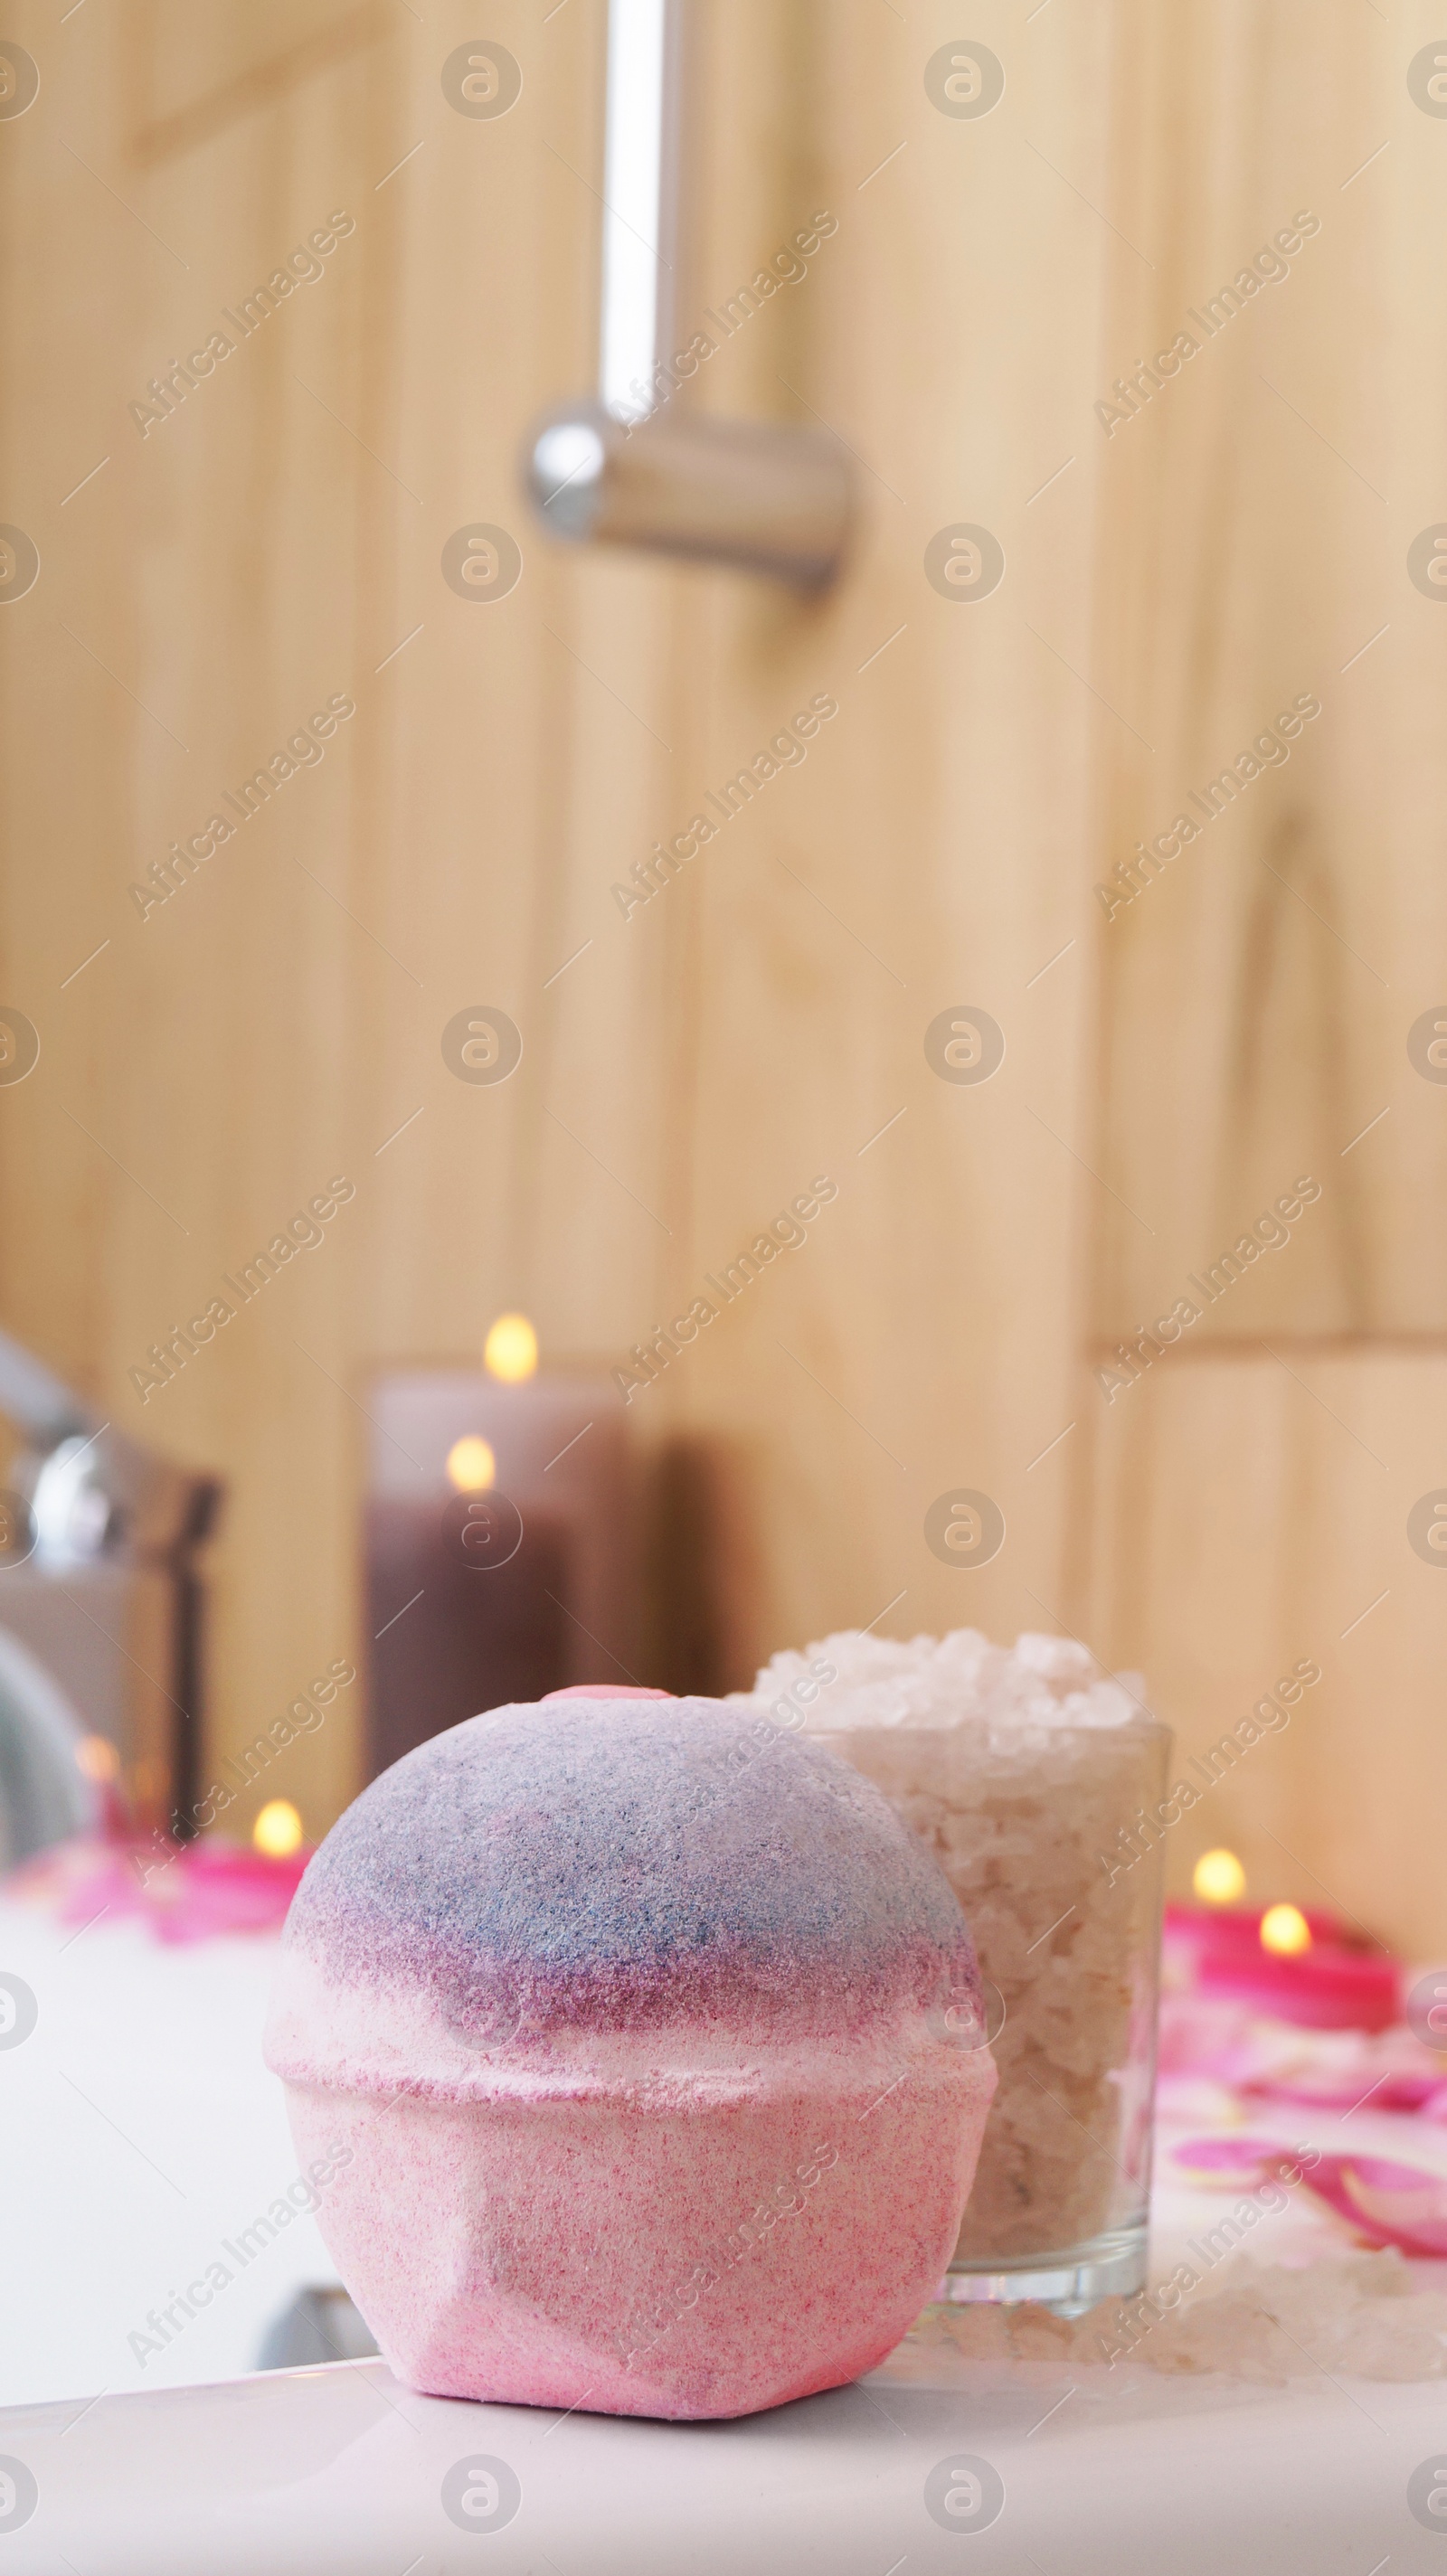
(1038,1782)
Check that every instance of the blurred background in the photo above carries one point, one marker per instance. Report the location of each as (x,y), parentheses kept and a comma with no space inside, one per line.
(1133,360)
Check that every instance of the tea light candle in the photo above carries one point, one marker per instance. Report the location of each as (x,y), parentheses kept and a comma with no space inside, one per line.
(1295,1964)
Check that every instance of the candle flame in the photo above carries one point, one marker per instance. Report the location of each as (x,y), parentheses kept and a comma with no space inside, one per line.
(471,1466)
(277,1830)
(511,1350)
(1218,1878)
(97,1757)
(1285,1930)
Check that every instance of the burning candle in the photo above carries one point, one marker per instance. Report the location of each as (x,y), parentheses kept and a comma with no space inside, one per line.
(1296,1965)
(510,1351)
(501,1555)
(1285,1931)
(1219,1879)
(277,1831)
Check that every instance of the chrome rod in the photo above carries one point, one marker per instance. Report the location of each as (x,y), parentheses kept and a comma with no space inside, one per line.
(763,498)
(769,500)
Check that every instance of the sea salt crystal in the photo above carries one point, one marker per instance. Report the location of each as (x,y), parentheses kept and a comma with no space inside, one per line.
(1019,1767)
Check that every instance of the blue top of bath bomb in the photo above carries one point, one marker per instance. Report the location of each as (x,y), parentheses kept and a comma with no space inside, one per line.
(615,1863)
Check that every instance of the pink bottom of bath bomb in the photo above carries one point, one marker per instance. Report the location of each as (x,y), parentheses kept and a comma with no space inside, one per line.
(698,2259)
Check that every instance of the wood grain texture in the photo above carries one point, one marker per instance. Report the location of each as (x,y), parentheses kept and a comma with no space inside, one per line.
(690,1068)
(928,853)
(1258,991)
(1249,1512)
(1247,1500)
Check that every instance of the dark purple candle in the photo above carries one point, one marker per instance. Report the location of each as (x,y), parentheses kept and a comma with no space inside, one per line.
(501,1553)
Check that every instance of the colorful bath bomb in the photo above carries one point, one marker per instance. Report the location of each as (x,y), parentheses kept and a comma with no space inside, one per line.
(634,2047)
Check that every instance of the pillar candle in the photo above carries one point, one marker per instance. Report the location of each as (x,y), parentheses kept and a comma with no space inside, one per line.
(500,1593)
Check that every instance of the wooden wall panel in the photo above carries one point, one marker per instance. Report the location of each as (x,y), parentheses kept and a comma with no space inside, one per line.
(926,854)
(762,1020)
(273,543)
(1248,1499)
(1250,1512)
(1257,516)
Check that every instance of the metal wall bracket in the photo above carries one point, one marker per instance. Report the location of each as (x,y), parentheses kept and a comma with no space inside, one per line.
(766,499)
(613,470)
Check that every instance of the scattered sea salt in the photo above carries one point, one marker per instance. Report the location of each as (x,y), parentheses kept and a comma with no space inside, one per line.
(1355,2314)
